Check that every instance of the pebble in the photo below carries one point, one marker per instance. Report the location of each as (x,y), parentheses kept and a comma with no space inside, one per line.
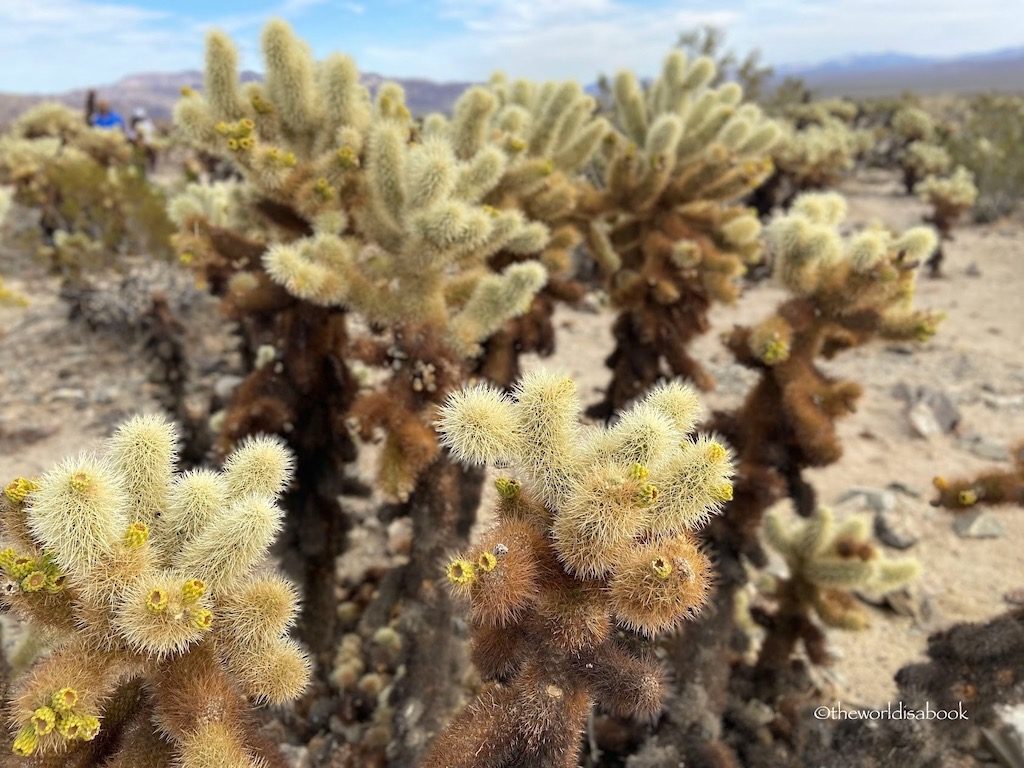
(296,757)
(225,386)
(896,530)
(923,421)
(978,525)
(986,449)
(875,499)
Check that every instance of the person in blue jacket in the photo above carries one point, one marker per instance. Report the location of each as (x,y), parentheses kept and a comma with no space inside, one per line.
(106,118)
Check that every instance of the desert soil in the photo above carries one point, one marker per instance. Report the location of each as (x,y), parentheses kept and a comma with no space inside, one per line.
(63,388)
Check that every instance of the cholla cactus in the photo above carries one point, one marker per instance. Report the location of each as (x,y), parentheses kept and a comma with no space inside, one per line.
(93,201)
(826,562)
(991,487)
(381,223)
(150,586)
(597,529)
(950,198)
(547,133)
(989,141)
(822,112)
(846,291)
(664,225)
(913,124)
(921,159)
(8,297)
(813,157)
(49,119)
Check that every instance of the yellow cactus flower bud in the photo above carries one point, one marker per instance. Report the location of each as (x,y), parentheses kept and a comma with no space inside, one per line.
(43,720)
(289,159)
(940,483)
(348,158)
(246,143)
(137,535)
(156,600)
(648,493)
(639,472)
(722,492)
(55,581)
(34,582)
(774,351)
(64,700)
(192,590)
(662,568)
(487,562)
(22,566)
(25,742)
(716,452)
(186,91)
(81,482)
(72,726)
(222,128)
(19,488)
(186,258)
(89,727)
(460,572)
(968,497)
(202,619)
(507,487)
(246,124)
(233,144)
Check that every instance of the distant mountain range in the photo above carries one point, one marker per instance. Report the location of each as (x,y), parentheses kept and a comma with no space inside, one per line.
(881,74)
(157,92)
(889,74)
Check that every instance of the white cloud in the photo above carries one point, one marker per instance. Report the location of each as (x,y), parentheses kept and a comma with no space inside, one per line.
(557,39)
(50,44)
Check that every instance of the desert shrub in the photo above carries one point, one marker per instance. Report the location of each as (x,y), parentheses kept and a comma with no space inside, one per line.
(989,142)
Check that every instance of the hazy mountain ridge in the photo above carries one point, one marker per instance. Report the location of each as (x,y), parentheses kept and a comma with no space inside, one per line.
(157,93)
(891,73)
(878,74)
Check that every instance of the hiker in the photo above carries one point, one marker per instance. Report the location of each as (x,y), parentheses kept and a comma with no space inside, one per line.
(142,132)
(107,118)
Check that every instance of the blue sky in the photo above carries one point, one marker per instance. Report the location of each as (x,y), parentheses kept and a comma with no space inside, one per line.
(52,45)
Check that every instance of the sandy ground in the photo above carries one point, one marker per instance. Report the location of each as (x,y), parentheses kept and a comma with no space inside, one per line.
(62,389)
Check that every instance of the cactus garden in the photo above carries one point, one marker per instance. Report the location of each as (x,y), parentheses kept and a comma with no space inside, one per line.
(667,416)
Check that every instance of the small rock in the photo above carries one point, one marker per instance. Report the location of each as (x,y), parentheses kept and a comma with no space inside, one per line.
(972,270)
(296,757)
(593,303)
(1000,402)
(875,499)
(67,393)
(895,530)
(941,404)
(902,391)
(986,449)
(978,525)
(400,536)
(225,386)
(106,395)
(922,420)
